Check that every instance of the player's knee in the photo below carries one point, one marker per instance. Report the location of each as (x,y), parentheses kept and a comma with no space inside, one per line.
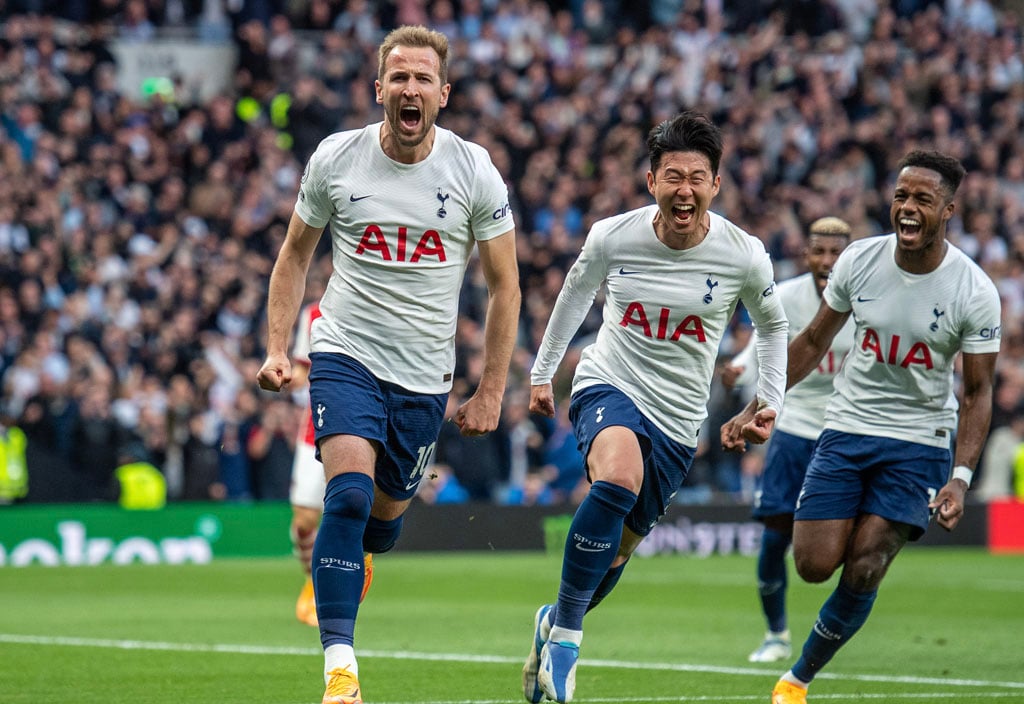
(348,498)
(813,569)
(381,536)
(864,573)
(305,520)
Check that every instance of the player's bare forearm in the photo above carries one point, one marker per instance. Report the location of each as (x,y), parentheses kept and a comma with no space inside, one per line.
(975,408)
(809,347)
(483,410)
(972,429)
(284,298)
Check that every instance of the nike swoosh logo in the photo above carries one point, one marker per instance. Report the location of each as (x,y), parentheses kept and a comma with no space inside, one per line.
(861,299)
(352,198)
(623,272)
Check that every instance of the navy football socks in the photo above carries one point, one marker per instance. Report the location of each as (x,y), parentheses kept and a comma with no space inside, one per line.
(840,617)
(338,556)
(380,535)
(771,578)
(590,548)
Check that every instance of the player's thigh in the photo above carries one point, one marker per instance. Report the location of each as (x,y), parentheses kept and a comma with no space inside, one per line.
(305,519)
(347,453)
(609,430)
(908,477)
(615,456)
(349,414)
(833,488)
(413,424)
(819,546)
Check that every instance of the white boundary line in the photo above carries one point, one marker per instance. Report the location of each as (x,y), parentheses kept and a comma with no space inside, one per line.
(500,659)
(926,696)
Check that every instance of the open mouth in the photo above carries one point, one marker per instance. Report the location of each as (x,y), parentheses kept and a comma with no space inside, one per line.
(684,214)
(909,227)
(410,116)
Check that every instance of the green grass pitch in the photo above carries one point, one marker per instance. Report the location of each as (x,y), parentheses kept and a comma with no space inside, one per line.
(453,628)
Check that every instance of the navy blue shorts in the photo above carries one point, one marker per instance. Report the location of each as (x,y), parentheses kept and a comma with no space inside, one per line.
(346,399)
(854,474)
(785,464)
(666,461)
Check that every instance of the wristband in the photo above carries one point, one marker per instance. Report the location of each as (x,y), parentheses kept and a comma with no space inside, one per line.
(964,474)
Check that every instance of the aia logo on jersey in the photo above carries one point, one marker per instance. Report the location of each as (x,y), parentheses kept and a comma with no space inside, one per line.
(396,247)
(691,325)
(893,353)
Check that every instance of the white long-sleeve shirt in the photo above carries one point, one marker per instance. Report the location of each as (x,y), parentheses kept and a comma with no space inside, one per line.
(665,313)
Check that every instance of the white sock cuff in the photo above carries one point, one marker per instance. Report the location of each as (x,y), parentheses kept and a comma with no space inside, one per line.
(341,657)
(565,635)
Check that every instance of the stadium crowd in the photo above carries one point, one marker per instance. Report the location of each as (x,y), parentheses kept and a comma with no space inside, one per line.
(137,233)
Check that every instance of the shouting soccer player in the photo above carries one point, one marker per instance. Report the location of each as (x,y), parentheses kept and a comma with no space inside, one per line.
(796,430)
(674,273)
(882,464)
(406,201)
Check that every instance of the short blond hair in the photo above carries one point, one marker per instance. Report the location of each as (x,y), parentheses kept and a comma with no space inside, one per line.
(414,36)
(830,226)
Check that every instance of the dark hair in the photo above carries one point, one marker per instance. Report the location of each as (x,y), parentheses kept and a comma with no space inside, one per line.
(947,167)
(686,132)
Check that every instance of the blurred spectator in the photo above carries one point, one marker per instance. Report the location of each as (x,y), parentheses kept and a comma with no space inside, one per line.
(137,233)
(271,446)
(1002,465)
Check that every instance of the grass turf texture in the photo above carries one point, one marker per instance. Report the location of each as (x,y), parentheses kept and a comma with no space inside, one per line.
(455,628)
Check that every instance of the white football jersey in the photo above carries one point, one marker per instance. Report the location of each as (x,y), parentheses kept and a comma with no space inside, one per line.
(897,381)
(402,235)
(803,409)
(664,316)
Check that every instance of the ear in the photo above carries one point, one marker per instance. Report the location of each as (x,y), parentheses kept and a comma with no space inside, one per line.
(716,186)
(650,182)
(380,95)
(445,90)
(948,211)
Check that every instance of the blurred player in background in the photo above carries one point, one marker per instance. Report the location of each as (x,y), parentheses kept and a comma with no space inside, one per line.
(674,272)
(306,494)
(796,430)
(882,463)
(407,201)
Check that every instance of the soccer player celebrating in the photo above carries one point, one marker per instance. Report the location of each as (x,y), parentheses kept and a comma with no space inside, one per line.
(674,272)
(796,430)
(406,201)
(882,464)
